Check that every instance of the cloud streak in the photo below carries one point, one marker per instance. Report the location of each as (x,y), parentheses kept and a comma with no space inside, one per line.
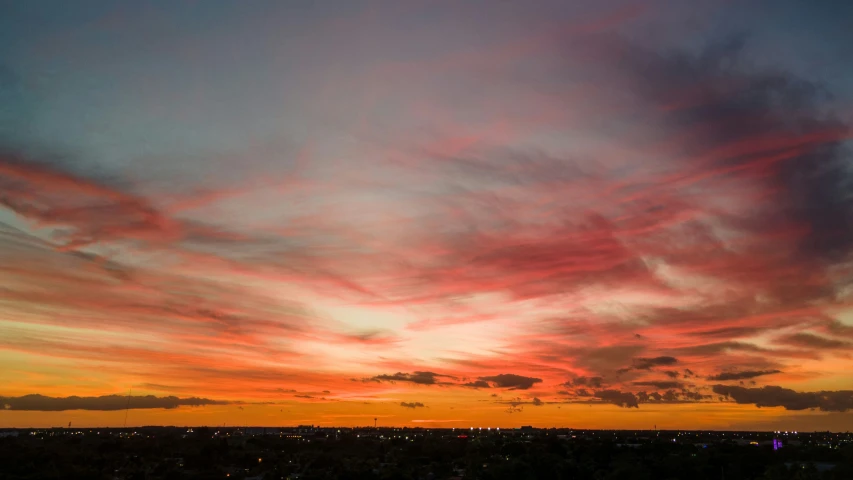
(775,396)
(742,375)
(105,403)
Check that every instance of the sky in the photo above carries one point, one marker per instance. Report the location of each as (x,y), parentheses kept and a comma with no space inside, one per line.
(611,214)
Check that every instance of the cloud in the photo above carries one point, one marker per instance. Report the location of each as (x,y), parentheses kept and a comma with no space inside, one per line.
(707,205)
(373,337)
(837,328)
(775,396)
(512,381)
(412,405)
(43,403)
(780,131)
(694,396)
(808,340)
(86,211)
(661,384)
(537,402)
(477,384)
(622,399)
(594,382)
(421,378)
(742,375)
(649,363)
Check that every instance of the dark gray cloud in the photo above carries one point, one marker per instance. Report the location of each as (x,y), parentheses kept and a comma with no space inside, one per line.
(677,394)
(43,403)
(671,374)
(694,396)
(774,396)
(724,376)
(622,399)
(412,405)
(518,401)
(512,381)
(738,106)
(649,363)
(477,384)
(422,378)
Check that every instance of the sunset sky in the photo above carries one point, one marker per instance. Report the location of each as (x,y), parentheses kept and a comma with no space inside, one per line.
(610,214)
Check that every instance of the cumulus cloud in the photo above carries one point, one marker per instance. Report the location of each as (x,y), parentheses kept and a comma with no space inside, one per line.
(775,396)
(44,403)
(512,381)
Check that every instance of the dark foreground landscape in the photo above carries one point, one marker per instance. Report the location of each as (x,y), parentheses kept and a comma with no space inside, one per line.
(388,453)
